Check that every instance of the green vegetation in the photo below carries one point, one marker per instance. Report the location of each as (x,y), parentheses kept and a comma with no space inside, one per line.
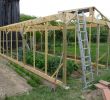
(24,17)
(42,92)
(31,78)
(53,63)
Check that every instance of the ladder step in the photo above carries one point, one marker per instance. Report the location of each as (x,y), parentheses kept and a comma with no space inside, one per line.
(85,48)
(81,23)
(87,65)
(83,31)
(86,56)
(88,73)
(84,40)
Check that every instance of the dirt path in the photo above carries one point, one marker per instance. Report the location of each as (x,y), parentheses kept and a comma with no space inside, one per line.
(10,82)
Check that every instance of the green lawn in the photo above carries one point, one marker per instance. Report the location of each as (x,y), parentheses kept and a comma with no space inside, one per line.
(42,92)
(102,50)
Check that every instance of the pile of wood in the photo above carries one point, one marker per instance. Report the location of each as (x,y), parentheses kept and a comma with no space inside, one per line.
(104,86)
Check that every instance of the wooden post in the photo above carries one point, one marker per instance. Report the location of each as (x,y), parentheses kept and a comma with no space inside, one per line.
(34,48)
(11,44)
(6,43)
(41,40)
(97,50)
(64,50)
(46,47)
(3,41)
(75,43)
(108,49)
(0,41)
(30,41)
(23,42)
(17,45)
(54,36)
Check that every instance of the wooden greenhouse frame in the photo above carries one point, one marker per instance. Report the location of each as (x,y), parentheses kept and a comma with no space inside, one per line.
(42,25)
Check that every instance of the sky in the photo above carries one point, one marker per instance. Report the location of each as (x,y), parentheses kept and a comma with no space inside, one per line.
(41,8)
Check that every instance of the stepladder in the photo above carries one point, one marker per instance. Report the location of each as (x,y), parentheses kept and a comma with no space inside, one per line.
(82,35)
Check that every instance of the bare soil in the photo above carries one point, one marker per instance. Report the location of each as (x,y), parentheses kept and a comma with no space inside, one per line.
(94,95)
(10,82)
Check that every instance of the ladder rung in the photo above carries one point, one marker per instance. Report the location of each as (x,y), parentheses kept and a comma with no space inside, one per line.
(86,56)
(88,73)
(84,40)
(85,48)
(87,65)
(82,31)
(81,23)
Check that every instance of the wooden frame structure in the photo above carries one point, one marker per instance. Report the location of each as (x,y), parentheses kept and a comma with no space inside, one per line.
(42,25)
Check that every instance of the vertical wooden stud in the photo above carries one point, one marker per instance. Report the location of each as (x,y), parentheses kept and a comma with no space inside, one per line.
(41,40)
(64,50)
(3,41)
(24,45)
(7,43)
(108,49)
(17,45)
(34,48)
(11,43)
(54,36)
(46,47)
(97,50)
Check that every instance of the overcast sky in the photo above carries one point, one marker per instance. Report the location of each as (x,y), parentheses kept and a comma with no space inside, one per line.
(47,7)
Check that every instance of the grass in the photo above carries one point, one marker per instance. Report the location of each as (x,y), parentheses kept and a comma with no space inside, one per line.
(42,92)
(71,51)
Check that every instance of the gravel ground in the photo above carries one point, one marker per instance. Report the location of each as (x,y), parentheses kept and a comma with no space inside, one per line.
(10,82)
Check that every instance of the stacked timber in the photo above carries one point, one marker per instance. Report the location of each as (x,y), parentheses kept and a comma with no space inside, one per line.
(104,86)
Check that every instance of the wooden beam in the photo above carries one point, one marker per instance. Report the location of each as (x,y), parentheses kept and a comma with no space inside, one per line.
(54,39)
(3,41)
(17,46)
(11,44)
(46,47)
(34,49)
(64,51)
(97,49)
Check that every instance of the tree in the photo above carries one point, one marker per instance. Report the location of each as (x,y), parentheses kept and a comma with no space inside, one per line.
(24,17)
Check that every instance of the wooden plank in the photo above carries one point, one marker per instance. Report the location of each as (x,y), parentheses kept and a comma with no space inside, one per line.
(41,41)
(108,49)
(11,44)
(106,93)
(34,49)
(46,47)
(97,49)
(24,48)
(64,52)
(6,43)
(3,41)
(54,39)
(17,46)
(105,83)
